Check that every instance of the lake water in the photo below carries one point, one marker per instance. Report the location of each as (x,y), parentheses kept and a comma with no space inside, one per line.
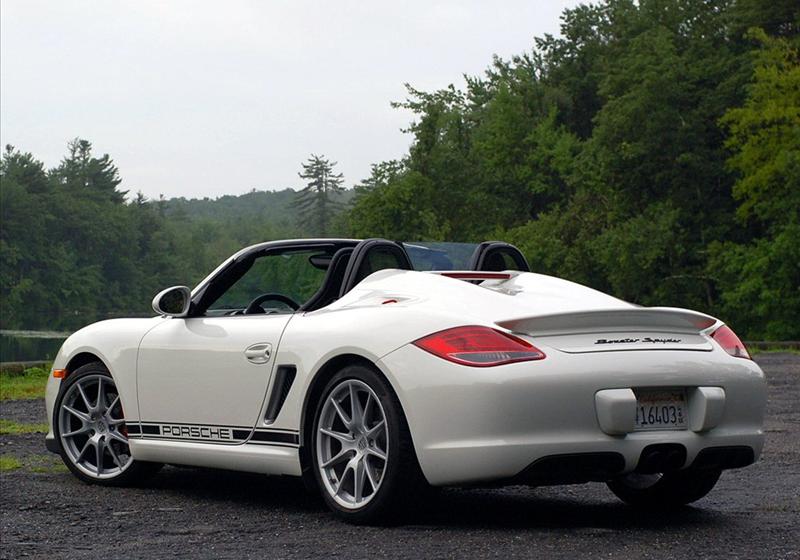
(24,346)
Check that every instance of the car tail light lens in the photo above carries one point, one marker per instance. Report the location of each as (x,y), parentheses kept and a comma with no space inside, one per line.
(726,338)
(479,347)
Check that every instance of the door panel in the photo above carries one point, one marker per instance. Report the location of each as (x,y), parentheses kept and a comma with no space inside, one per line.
(204,370)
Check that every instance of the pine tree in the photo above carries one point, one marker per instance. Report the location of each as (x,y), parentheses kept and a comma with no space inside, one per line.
(83,173)
(316,203)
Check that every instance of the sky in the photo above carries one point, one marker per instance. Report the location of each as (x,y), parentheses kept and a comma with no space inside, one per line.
(201,99)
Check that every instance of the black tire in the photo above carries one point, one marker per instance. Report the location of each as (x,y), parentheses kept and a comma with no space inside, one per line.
(671,490)
(403,485)
(135,472)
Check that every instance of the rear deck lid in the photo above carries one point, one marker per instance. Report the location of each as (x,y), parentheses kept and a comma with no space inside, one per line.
(638,328)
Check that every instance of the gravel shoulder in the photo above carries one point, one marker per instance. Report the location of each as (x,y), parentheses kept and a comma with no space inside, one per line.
(201,513)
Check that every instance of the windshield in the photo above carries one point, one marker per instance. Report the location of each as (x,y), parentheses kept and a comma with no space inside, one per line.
(439,255)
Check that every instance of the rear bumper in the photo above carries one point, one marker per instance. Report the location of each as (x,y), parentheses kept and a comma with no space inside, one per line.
(520,421)
(600,466)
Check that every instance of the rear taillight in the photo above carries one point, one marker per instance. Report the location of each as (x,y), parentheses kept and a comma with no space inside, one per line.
(726,338)
(479,347)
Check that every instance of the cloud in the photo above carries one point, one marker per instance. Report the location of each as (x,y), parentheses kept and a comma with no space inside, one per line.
(208,98)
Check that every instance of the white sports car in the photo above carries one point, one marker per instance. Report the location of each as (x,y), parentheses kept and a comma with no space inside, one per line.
(374,378)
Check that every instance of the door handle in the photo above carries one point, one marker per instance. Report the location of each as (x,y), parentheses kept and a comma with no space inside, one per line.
(259,353)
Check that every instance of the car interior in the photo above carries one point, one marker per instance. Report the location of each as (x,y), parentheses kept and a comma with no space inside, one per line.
(334,277)
(345,266)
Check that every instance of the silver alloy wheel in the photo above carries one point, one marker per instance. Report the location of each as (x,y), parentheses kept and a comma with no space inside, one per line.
(91,427)
(352,444)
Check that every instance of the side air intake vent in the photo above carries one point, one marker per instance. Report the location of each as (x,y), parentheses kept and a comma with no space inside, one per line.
(284,378)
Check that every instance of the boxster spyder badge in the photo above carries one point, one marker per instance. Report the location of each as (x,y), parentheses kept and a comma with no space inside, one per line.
(376,369)
(645,340)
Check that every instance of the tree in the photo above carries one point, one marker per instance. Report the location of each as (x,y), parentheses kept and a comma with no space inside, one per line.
(80,171)
(760,280)
(317,202)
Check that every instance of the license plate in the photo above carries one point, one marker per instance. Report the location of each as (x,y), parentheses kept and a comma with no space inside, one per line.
(660,410)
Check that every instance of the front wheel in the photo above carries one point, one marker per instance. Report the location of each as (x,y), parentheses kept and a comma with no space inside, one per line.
(364,460)
(664,490)
(90,427)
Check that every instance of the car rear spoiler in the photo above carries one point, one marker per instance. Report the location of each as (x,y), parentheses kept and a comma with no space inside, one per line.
(612,320)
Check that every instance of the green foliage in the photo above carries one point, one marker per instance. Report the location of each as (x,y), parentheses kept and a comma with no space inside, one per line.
(73,250)
(9,427)
(9,463)
(761,277)
(761,284)
(652,150)
(616,155)
(764,136)
(30,384)
(43,464)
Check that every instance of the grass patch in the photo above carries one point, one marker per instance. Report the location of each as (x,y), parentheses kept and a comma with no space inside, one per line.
(26,385)
(755,351)
(9,463)
(43,464)
(9,427)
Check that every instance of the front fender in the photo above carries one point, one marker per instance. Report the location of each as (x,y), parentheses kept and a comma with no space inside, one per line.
(115,343)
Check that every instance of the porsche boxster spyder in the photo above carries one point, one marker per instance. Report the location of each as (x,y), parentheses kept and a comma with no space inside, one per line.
(376,370)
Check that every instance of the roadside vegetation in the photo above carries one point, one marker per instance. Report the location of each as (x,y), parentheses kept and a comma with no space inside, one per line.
(777,349)
(25,385)
(650,151)
(9,463)
(28,384)
(43,464)
(11,428)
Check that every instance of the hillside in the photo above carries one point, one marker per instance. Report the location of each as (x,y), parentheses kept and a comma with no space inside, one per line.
(268,207)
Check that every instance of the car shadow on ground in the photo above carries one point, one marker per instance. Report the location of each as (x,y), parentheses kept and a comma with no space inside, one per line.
(502,508)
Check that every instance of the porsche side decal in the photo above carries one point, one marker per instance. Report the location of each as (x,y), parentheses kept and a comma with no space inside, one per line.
(177,431)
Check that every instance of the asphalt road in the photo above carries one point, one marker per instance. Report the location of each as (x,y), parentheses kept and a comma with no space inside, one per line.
(186,513)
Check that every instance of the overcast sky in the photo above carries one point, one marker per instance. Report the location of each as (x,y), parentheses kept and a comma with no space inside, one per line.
(209,98)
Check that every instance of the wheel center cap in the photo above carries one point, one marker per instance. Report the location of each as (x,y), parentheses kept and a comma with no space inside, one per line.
(362,443)
(101,427)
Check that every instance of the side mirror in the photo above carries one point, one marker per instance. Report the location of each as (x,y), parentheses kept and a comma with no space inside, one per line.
(173,302)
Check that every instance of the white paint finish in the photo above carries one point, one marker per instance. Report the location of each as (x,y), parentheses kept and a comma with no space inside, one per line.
(265,459)
(472,424)
(706,407)
(523,295)
(115,342)
(616,410)
(636,319)
(468,424)
(311,340)
(50,396)
(616,339)
(195,370)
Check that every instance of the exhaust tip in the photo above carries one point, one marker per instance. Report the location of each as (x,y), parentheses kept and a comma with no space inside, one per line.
(661,457)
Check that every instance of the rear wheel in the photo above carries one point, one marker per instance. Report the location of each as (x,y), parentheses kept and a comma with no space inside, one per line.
(89,425)
(660,490)
(364,460)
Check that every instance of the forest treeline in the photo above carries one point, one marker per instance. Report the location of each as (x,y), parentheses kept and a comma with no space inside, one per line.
(652,150)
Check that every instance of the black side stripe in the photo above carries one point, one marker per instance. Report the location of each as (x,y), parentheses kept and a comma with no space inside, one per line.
(276,437)
(238,434)
(241,434)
